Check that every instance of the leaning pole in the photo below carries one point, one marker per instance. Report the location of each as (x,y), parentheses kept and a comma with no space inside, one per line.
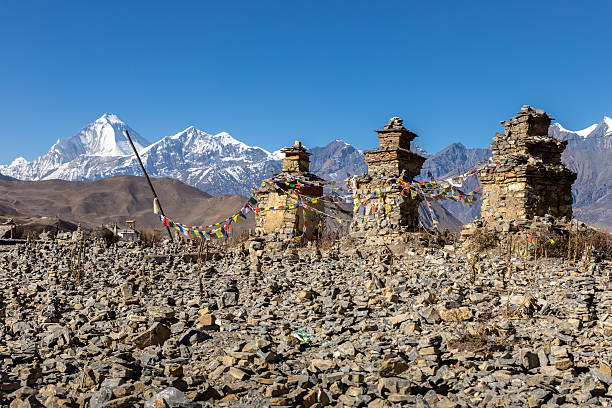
(148,181)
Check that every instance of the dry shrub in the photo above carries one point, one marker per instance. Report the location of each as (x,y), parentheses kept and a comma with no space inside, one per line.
(593,243)
(469,342)
(446,237)
(151,236)
(575,244)
(555,249)
(484,239)
(104,234)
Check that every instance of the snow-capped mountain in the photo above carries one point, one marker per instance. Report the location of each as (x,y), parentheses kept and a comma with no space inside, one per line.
(217,164)
(589,154)
(220,164)
(214,163)
(590,138)
(101,141)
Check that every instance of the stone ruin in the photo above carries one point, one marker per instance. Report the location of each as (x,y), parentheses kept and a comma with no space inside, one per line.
(530,179)
(379,209)
(284,225)
(528,188)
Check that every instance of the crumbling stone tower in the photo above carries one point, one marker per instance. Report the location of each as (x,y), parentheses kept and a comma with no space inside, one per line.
(379,207)
(530,179)
(282,225)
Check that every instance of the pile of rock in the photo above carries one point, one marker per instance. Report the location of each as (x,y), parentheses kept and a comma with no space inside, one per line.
(304,328)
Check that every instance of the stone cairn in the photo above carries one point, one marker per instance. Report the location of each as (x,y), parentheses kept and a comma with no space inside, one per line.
(528,189)
(530,179)
(283,225)
(380,211)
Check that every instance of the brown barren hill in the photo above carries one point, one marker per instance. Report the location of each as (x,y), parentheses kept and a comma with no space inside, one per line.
(116,199)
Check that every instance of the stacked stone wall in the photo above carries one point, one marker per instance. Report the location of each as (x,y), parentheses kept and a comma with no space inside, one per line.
(529,179)
(287,224)
(290,223)
(380,210)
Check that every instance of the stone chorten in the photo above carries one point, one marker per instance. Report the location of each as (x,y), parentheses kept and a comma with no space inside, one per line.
(530,179)
(378,206)
(281,225)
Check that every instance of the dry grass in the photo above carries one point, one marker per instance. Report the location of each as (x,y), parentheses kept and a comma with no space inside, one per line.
(484,239)
(152,236)
(469,342)
(573,245)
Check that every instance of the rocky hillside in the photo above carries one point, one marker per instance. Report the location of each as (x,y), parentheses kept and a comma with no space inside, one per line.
(115,199)
(337,161)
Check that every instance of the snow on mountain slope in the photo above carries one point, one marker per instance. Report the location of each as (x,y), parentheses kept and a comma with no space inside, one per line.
(214,163)
(102,138)
(586,131)
(220,164)
(590,156)
(591,138)
(217,164)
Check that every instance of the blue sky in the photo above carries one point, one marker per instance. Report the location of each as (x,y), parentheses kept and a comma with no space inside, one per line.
(271,72)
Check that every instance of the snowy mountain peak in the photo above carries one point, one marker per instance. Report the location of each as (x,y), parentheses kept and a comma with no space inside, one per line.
(190,131)
(226,138)
(592,138)
(604,125)
(109,118)
(558,127)
(20,161)
(104,137)
(340,142)
(277,155)
(586,131)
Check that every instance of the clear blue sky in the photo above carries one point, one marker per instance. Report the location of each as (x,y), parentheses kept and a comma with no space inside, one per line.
(271,72)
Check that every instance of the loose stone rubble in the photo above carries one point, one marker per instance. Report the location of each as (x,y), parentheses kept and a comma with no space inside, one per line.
(348,326)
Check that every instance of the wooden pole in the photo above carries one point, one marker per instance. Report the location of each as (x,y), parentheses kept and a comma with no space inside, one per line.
(148,181)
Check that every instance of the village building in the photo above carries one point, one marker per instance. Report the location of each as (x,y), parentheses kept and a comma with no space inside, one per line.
(130,233)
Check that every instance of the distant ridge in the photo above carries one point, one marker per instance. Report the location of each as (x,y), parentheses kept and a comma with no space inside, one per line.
(114,199)
(221,164)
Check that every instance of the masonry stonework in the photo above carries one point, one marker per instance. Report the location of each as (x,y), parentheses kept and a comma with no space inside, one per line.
(283,225)
(529,179)
(380,209)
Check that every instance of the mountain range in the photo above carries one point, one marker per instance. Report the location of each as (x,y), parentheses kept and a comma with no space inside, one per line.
(113,200)
(220,164)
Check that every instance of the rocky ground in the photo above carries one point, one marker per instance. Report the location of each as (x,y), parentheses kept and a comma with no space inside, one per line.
(340,327)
